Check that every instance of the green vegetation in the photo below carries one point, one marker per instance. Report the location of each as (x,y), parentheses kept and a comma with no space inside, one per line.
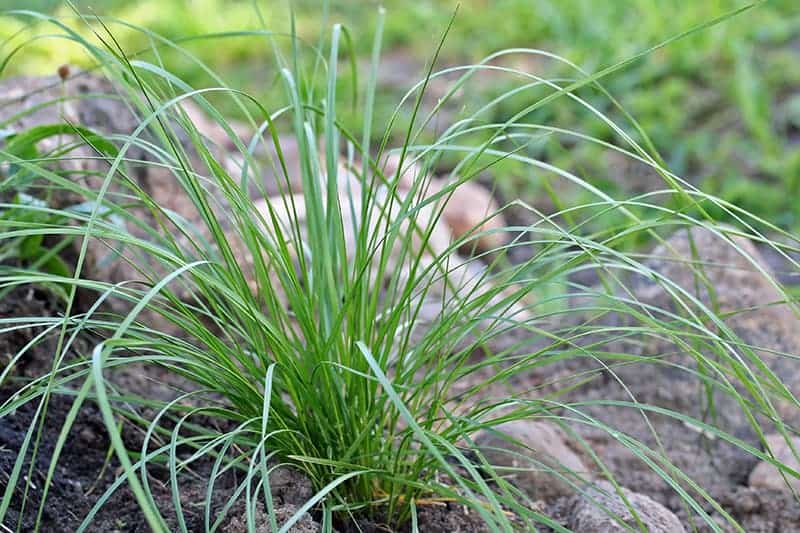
(301,322)
(719,105)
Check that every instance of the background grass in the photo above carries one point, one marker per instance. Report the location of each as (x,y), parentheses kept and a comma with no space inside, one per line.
(722,106)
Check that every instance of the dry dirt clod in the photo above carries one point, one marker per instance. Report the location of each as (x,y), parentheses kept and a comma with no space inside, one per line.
(238,524)
(290,486)
(290,490)
(766,475)
(596,516)
(543,449)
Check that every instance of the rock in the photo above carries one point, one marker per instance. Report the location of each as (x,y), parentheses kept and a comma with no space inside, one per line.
(766,475)
(99,104)
(538,449)
(96,103)
(720,272)
(469,209)
(782,263)
(731,279)
(411,171)
(290,211)
(430,240)
(596,516)
(212,130)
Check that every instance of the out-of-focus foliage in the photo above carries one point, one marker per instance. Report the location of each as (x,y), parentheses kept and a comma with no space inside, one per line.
(722,106)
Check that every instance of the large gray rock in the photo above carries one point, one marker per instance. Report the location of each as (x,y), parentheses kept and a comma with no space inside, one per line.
(536,456)
(729,276)
(731,280)
(601,510)
(715,277)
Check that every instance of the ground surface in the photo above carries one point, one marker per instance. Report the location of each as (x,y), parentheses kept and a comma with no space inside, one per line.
(85,472)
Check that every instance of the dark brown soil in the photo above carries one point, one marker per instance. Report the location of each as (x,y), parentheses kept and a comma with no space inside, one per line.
(85,469)
(79,478)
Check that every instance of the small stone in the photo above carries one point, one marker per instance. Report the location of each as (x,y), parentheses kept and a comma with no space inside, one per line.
(471,210)
(542,449)
(601,509)
(87,435)
(767,476)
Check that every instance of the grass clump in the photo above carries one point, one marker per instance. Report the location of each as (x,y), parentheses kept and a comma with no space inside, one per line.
(330,328)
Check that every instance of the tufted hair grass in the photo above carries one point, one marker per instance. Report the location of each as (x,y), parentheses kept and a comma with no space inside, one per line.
(308,329)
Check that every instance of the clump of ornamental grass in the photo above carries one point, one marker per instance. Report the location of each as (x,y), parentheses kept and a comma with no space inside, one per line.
(343,342)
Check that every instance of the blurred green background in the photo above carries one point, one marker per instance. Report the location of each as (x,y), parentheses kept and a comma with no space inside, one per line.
(722,106)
